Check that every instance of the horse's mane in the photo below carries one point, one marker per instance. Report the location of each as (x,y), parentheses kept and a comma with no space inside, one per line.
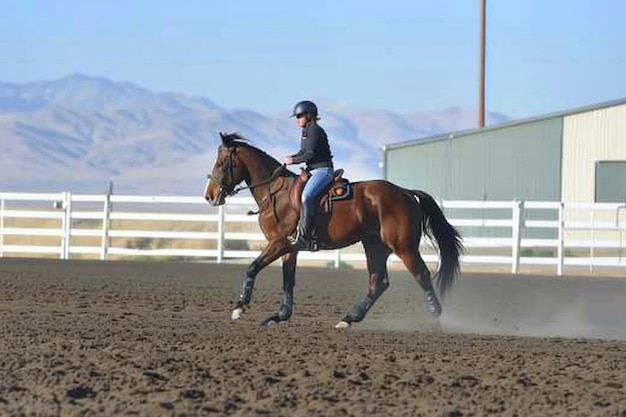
(237,139)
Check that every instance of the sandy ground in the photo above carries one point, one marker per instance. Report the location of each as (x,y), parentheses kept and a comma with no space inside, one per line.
(155,339)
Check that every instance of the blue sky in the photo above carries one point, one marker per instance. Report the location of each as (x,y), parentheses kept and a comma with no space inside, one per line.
(403,56)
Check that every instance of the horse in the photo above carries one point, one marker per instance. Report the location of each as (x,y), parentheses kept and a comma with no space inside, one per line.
(384,217)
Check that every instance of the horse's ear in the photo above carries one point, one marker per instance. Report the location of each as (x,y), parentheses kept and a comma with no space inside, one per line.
(224,138)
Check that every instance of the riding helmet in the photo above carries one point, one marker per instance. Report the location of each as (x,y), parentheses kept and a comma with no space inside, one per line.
(305,107)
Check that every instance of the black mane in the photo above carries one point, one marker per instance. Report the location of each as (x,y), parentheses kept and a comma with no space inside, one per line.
(236,139)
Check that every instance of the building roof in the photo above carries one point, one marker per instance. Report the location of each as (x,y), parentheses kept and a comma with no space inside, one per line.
(451,135)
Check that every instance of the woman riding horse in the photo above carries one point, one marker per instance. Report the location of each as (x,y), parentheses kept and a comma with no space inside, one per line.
(386,219)
(315,152)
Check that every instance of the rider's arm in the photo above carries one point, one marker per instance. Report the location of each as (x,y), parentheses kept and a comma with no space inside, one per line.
(307,145)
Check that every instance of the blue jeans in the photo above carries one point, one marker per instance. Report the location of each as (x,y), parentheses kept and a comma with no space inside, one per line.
(320,179)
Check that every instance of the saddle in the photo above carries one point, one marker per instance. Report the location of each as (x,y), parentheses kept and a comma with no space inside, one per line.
(339,189)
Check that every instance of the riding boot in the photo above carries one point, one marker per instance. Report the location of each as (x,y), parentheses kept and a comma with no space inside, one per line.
(304,239)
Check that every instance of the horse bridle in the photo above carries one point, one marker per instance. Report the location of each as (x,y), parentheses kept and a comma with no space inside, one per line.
(227,191)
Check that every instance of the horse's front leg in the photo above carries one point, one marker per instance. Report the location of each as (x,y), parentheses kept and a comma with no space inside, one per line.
(289,281)
(272,251)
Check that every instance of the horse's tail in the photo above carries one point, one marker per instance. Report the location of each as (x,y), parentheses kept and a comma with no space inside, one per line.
(448,239)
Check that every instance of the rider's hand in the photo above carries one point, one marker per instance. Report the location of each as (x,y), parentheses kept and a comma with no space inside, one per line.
(288,160)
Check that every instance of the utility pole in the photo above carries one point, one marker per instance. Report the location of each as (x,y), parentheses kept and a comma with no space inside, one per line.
(481,105)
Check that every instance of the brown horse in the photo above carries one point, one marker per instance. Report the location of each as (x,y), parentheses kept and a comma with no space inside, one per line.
(386,219)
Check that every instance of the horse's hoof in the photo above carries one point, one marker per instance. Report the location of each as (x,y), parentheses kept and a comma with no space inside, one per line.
(270,320)
(437,327)
(434,314)
(236,314)
(342,325)
(435,311)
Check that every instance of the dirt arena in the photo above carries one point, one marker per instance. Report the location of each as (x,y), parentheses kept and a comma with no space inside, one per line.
(155,339)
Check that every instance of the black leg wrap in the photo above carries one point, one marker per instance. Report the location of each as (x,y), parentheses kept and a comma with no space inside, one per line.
(246,290)
(360,310)
(432,303)
(286,307)
(284,314)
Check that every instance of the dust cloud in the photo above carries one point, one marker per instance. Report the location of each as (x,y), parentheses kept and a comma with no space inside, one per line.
(515,305)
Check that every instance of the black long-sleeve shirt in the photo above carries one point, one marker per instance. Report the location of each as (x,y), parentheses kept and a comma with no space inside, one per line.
(314,148)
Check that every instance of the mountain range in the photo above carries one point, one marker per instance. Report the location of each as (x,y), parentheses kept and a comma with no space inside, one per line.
(82,132)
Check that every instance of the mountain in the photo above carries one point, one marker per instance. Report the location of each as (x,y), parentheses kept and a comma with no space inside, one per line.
(80,132)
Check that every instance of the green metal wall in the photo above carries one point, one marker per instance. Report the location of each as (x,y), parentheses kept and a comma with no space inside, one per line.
(520,161)
(610,185)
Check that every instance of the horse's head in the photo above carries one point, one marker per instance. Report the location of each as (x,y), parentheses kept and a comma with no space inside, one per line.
(227,172)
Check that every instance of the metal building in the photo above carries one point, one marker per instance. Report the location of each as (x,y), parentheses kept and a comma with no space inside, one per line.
(575,156)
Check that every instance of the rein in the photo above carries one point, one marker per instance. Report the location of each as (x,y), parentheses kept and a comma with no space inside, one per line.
(251,187)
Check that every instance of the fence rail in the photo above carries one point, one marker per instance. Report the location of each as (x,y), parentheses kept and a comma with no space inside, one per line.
(514,233)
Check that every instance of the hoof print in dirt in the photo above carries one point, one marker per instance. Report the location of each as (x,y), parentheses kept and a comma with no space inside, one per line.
(154,376)
(192,394)
(271,380)
(167,405)
(80,392)
(339,374)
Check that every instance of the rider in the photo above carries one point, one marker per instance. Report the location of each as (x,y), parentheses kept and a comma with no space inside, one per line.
(315,152)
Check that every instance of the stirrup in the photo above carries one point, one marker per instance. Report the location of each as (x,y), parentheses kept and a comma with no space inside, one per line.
(300,243)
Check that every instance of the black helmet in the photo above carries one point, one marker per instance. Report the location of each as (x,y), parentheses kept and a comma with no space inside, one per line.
(303,107)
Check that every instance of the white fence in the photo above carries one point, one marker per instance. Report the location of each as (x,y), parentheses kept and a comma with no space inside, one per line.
(514,233)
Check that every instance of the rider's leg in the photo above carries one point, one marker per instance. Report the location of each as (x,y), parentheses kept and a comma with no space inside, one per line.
(320,179)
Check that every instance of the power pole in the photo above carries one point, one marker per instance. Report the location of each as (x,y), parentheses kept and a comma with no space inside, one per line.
(481,105)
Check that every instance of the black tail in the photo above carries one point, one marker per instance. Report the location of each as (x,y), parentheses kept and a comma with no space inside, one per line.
(448,239)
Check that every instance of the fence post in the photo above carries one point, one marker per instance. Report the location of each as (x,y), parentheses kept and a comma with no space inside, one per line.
(66,225)
(516,240)
(592,252)
(106,218)
(561,238)
(619,229)
(220,234)
(1,227)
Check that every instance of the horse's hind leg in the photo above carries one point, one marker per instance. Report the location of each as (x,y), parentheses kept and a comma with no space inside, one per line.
(377,254)
(416,266)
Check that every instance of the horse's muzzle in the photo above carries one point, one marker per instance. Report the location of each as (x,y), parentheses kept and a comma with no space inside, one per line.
(216,198)
(219,200)
(214,193)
